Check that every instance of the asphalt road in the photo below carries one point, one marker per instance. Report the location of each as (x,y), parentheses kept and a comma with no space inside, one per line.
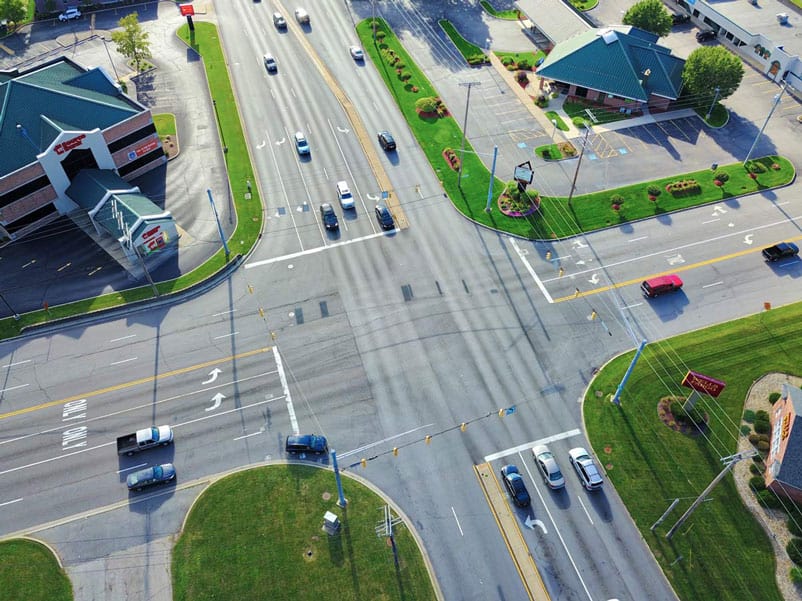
(382,339)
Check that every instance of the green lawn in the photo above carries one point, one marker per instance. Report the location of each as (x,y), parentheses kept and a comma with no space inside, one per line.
(529,59)
(30,572)
(601,114)
(509,15)
(584,5)
(257,535)
(552,116)
(165,124)
(471,52)
(725,554)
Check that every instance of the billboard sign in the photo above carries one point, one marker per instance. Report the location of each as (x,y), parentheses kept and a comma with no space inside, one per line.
(702,383)
(523,173)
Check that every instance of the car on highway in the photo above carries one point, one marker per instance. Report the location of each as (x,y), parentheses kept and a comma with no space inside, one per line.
(515,485)
(384,217)
(781,250)
(301,144)
(706,35)
(356,53)
(270,63)
(386,140)
(157,474)
(279,21)
(329,217)
(654,287)
(548,467)
(344,195)
(585,468)
(306,443)
(71,13)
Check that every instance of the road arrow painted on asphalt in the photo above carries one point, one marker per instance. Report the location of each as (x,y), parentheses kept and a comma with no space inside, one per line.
(213,375)
(281,141)
(531,523)
(748,238)
(262,145)
(343,130)
(218,398)
(594,279)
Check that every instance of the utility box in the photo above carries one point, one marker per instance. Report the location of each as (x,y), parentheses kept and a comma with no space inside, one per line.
(331,523)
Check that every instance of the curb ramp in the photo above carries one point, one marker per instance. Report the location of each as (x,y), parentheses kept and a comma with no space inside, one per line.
(511,531)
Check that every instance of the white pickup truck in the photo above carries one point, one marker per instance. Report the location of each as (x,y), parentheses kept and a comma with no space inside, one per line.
(302,16)
(146,438)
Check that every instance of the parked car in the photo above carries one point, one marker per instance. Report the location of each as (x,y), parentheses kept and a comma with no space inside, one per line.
(706,35)
(515,485)
(680,18)
(663,284)
(270,63)
(71,13)
(329,217)
(301,145)
(158,474)
(384,217)
(782,250)
(386,140)
(279,21)
(356,53)
(548,467)
(344,195)
(588,473)
(306,443)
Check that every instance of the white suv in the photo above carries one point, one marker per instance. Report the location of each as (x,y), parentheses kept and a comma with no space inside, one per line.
(344,195)
(72,12)
(585,468)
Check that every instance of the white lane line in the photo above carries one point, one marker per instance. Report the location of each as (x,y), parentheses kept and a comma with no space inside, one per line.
(638,238)
(13,387)
(248,435)
(382,441)
(456,519)
(556,529)
(586,510)
(133,467)
(312,251)
(10,502)
(711,221)
(522,256)
(225,335)
(123,338)
(631,306)
(13,364)
(713,284)
(124,361)
(528,445)
(286,390)
(224,313)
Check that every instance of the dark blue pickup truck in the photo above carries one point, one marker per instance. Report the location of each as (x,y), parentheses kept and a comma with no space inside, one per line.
(783,250)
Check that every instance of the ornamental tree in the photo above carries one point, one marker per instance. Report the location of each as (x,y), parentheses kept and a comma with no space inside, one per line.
(649,15)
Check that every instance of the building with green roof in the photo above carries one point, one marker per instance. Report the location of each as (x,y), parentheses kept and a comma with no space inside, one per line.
(58,120)
(620,67)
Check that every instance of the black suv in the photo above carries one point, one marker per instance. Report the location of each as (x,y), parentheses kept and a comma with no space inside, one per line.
(306,443)
(680,18)
(386,140)
(705,35)
(329,217)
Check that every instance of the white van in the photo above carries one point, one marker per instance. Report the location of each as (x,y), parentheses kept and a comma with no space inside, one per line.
(344,194)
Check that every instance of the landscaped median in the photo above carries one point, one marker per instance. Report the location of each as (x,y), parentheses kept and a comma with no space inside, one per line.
(721,552)
(440,137)
(30,572)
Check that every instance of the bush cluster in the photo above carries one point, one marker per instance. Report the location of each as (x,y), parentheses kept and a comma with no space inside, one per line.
(567,149)
(795,575)
(794,526)
(579,122)
(757,483)
(654,191)
(478,59)
(695,416)
(755,167)
(794,550)
(522,76)
(685,187)
(763,446)
(507,61)
(721,176)
(749,416)
(754,469)
(774,397)
(754,438)
(542,100)
(452,158)
(768,499)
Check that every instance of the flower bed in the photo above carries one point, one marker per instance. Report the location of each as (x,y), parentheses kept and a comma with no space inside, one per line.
(684,187)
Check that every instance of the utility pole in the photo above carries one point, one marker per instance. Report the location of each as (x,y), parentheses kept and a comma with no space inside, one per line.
(385,528)
(469,85)
(729,463)
(765,123)
(13,313)
(488,208)
(712,104)
(579,163)
(616,400)
(219,227)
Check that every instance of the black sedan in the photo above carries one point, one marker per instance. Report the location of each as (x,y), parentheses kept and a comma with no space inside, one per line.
(384,217)
(515,485)
(329,217)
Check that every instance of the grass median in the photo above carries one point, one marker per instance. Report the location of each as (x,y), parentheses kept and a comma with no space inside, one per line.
(30,572)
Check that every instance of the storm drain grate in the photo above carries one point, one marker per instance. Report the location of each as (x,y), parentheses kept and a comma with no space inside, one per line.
(406,290)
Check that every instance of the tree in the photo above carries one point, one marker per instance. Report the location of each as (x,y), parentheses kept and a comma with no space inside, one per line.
(711,67)
(13,11)
(649,15)
(131,42)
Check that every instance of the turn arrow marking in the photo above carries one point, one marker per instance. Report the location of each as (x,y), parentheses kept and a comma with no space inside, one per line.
(218,398)
(213,375)
(531,523)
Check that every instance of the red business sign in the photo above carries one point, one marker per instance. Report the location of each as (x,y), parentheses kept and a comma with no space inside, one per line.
(702,383)
(68,145)
(146,148)
(186,9)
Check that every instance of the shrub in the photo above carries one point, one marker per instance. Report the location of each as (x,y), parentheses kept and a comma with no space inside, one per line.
(567,149)
(757,483)
(507,61)
(426,105)
(406,76)
(763,446)
(754,439)
(511,67)
(768,499)
(542,100)
(546,153)
(754,469)
(524,64)
(721,176)
(774,397)
(654,191)
(617,199)
(478,59)
(749,416)
(685,187)
(794,526)
(762,426)
(695,416)
(794,550)
(754,167)
(380,35)
(795,575)
(762,415)
(764,437)
(399,64)
(745,430)
(579,122)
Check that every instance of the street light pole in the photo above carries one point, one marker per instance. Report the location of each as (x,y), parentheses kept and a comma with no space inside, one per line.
(765,123)
(492,180)
(219,227)
(554,132)
(469,85)
(13,313)
(712,104)
(576,173)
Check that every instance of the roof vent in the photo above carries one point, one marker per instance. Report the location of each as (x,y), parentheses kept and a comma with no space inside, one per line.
(609,36)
